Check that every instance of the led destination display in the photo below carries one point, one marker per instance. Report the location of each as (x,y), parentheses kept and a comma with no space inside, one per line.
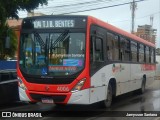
(52,22)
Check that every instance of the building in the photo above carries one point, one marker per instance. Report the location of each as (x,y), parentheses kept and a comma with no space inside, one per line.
(15,25)
(32,13)
(146,32)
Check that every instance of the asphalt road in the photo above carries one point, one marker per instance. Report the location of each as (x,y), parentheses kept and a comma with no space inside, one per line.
(131,103)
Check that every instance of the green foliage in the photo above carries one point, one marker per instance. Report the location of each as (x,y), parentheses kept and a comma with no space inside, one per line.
(9,9)
(7,52)
(3,33)
(13,44)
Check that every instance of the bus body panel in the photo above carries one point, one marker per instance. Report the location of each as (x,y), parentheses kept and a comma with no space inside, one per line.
(118,71)
(80,97)
(110,27)
(136,76)
(128,76)
(127,79)
(101,79)
(22,95)
(98,94)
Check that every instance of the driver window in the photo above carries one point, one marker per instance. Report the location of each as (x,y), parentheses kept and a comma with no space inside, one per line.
(99,50)
(96,50)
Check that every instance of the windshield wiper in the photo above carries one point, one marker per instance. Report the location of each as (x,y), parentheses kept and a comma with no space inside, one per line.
(39,39)
(59,39)
(46,51)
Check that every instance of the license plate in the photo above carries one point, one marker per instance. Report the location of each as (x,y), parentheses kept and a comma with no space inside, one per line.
(47,100)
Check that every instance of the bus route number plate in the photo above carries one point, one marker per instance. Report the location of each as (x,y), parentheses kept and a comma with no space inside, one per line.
(47,100)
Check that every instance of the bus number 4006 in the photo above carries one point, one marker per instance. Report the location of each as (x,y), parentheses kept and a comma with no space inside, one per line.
(62,88)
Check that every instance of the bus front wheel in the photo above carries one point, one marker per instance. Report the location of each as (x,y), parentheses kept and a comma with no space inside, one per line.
(32,103)
(108,101)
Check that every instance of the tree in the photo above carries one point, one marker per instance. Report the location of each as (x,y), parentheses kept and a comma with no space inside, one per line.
(8,52)
(9,9)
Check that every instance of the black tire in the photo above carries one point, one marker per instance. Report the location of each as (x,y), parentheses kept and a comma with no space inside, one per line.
(59,105)
(143,86)
(32,103)
(108,101)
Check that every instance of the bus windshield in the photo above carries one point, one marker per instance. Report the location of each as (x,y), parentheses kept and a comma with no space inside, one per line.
(52,54)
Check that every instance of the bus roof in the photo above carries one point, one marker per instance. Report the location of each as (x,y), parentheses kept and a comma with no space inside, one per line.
(101,23)
(118,31)
(57,16)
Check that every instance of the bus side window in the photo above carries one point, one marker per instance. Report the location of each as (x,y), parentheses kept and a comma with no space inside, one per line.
(112,47)
(125,49)
(99,50)
(91,49)
(152,55)
(96,49)
(134,51)
(147,54)
(141,53)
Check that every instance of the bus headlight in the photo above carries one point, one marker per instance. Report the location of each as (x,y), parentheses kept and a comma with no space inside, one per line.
(79,85)
(21,84)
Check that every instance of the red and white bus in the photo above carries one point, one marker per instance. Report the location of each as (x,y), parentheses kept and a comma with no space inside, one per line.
(80,60)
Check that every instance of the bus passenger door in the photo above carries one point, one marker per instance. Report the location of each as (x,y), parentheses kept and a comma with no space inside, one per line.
(96,54)
(97,71)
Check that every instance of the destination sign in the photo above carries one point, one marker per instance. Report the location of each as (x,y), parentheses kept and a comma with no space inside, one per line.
(54,23)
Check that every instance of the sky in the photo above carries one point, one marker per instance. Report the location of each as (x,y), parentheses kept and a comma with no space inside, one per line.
(119,16)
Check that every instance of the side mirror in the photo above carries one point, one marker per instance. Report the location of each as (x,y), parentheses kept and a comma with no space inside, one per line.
(7,42)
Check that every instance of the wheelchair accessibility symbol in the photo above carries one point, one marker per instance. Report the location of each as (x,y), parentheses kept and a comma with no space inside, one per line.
(44,71)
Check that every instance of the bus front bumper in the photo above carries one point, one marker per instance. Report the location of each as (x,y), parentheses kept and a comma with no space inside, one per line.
(78,97)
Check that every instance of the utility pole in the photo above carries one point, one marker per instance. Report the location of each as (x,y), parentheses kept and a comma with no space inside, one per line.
(133,8)
(152,31)
(151,20)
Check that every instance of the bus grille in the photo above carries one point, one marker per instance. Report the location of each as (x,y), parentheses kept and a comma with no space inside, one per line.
(49,80)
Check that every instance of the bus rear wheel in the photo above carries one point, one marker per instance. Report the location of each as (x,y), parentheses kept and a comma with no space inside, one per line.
(108,101)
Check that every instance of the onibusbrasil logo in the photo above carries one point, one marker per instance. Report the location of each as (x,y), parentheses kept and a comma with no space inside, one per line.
(21,115)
